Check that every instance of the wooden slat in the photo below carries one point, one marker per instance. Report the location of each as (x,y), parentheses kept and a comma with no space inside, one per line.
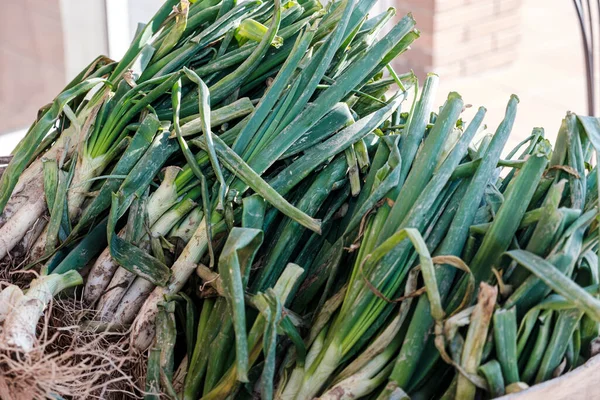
(579,384)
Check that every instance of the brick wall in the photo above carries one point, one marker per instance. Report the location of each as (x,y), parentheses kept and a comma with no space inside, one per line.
(460,37)
(31,59)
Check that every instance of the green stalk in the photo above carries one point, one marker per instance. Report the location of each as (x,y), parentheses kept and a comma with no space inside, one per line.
(541,343)
(244,172)
(176,59)
(142,38)
(282,289)
(566,324)
(546,230)
(176,31)
(234,263)
(210,325)
(316,110)
(195,123)
(312,158)
(204,99)
(493,375)
(206,206)
(505,335)
(563,257)
(153,375)
(58,215)
(290,233)
(274,91)
(558,282)
(131,257)
(225,86)
(508,218)
(426,197)
(453,244)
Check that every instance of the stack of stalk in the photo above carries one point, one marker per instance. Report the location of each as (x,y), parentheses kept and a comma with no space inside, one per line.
(250,192)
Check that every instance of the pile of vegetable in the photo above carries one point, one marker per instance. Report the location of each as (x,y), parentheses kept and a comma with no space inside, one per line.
(266,209)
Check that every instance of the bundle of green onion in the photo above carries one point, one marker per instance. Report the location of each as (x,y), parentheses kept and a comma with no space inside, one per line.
(250,192)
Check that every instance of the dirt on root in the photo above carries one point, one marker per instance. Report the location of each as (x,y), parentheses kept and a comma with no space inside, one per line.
(12,272)
(70,360)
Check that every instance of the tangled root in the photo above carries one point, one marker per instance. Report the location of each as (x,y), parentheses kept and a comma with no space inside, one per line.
(12,272)
(70,361)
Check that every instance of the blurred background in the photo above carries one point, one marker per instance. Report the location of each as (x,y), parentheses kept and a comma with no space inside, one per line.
(483,49)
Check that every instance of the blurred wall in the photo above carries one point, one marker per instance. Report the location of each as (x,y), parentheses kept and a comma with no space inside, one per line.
(43,44)
(84,30)
(460,37)
(32,67)
(141,11)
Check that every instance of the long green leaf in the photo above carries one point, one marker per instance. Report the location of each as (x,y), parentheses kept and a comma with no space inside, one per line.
(244,172)
(558,282)
(131,257)
(505,335)
(235,261)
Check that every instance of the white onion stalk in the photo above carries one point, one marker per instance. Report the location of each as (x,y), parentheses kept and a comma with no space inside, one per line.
(386,341)
(27,188)
(21,321)
(314,379)
(115,289)
(184,267)
(100,276)
(27,213)
(106,272)
(9,296)
(24,192)
(292,386)
(136,294)
(105,268)
(164,197)
(185,230)
(360,384)
(132,301)
(87,168)
(122,309)
(28,203)
(31,237)
(15,228)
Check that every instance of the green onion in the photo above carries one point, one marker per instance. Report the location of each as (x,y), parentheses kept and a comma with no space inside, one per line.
(318,226)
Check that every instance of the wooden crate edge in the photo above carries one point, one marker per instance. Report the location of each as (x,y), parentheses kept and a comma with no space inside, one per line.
(581,383)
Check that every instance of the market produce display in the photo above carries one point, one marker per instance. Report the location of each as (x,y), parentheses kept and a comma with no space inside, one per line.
(266,209)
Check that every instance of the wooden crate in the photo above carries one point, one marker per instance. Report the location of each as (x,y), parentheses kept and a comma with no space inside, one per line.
(580,384)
